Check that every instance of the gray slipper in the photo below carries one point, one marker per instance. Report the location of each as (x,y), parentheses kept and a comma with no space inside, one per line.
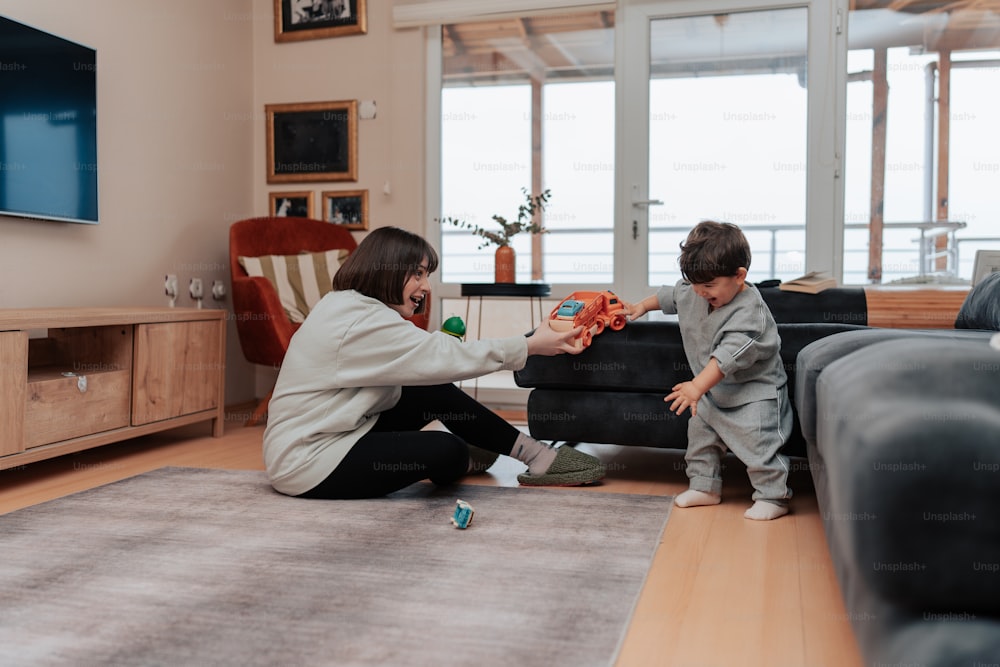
(570,468)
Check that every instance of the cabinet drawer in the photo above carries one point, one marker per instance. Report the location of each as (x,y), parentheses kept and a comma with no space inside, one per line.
(179,369)
(60,407)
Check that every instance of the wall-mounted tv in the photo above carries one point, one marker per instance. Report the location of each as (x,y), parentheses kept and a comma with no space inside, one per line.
(48,126)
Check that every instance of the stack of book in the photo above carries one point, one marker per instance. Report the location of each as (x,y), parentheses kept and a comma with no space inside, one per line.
(811,283)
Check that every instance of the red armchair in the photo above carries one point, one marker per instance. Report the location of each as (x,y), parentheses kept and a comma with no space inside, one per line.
(261,322)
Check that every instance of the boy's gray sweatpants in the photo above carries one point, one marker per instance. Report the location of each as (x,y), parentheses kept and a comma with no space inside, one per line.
(754,433)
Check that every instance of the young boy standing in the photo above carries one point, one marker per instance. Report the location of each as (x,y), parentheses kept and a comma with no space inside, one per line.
(738,397)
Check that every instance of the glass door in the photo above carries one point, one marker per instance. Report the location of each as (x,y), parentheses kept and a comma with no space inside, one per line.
(714,102)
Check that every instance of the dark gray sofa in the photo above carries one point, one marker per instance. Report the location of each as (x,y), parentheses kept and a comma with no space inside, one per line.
(613,392)
(902,432)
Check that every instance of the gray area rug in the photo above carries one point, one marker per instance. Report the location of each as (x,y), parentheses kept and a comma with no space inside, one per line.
(188,566)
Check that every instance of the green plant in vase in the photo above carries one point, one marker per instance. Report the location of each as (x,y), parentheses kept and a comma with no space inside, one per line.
(525,222)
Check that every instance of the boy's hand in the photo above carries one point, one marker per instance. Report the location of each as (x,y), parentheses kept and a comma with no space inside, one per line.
(684,395)
(636,310)
(687,394)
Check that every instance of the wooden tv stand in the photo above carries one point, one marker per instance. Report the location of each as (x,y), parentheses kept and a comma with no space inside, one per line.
(76,378)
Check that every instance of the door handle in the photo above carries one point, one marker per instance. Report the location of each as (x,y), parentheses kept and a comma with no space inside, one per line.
(647,202)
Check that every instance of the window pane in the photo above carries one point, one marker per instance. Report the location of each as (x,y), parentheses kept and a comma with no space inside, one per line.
(486,160)
(917,46)
(727,135)
(975,156)
(579,150)
(496,75)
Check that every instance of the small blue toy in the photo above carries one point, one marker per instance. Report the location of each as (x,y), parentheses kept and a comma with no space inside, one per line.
(569,308)
(463,514)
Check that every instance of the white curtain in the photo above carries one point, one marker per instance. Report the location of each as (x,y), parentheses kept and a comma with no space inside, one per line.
(411,13)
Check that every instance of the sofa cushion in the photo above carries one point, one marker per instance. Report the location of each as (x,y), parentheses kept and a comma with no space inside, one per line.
(909,441)
(301,280)
(837,305)
(817,355)
(610,417)
(648,356)
(981,309)
(644,356)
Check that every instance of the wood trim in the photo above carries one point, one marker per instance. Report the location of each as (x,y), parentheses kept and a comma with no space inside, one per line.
(104,438)
(914,307)
(943,156)
(51,318)
(880,107)
(13,390)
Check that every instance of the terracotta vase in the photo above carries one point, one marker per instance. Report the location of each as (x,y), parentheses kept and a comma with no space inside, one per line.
(504,268)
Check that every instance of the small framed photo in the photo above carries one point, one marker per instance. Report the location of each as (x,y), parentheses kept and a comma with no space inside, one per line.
(312,141)
(987,262)
(346,207)
(291,204)
(295,20)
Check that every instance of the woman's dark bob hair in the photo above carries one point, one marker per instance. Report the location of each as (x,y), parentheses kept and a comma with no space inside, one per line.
(382,263)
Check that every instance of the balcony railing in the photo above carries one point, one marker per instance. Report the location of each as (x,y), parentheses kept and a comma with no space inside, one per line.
(585,255)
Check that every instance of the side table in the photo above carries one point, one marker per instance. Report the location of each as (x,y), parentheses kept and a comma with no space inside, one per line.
(534,292)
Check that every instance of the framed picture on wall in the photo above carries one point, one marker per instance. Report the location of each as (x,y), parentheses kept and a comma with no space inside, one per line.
(312,141)
(291,204)
(296,20)
(346,207)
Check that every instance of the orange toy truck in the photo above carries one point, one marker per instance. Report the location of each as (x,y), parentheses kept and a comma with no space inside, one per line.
(592,310)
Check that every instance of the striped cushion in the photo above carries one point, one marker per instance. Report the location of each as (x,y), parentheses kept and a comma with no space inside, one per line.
(300,280)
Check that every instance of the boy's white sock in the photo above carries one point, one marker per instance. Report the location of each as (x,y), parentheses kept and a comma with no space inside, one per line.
(692,498)
(536,455)
(765,511)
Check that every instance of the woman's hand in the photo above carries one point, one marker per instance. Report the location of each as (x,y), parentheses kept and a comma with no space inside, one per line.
(548,342)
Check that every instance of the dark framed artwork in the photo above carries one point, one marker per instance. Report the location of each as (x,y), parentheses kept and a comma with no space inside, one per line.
(312,141)
(296,20)
(346,207)
(291,204)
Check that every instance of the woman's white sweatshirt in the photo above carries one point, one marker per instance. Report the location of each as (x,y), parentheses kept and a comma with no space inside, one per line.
(347,363)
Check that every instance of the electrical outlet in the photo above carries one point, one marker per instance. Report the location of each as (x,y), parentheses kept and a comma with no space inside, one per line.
(170,285)
(196,289)
(218,290)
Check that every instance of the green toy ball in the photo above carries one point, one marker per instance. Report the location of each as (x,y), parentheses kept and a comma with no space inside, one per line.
(454,326)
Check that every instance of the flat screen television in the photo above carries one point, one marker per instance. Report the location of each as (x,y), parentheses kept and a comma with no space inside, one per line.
(48,126)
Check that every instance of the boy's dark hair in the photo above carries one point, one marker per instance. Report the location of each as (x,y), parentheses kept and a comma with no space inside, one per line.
(712,250)
(382,263)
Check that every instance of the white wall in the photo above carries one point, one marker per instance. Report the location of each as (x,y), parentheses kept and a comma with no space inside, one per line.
(384,65)
(181,91)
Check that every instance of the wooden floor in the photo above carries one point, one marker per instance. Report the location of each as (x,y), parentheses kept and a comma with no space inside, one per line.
(722,590)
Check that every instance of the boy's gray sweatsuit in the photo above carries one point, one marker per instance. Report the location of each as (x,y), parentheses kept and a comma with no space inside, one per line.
(747,412)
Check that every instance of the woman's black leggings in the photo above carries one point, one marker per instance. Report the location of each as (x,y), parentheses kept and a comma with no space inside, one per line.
(396,453)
